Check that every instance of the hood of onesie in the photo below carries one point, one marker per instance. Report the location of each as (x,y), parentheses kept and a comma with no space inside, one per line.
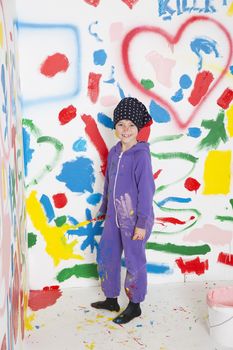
(140,146)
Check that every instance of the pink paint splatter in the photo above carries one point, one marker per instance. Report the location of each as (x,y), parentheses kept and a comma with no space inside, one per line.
(201,86)
(210,234)
(93,86)
(192,266)
(40,299)
(60,200)
(67,114)
(163,67)
(156,174)
(108,101)
(116,31)
(54,64)
(191,184)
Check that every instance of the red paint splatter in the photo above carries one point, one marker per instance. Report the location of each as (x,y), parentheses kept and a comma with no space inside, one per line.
(67,114)
(40,299)
(225,258)
(59,200)
(22,303)
(193,266)
(191,184)
(144,134)
(157,174)
(93,86)
(54,64)
(201,86)
(15,299)
(130,3)
(225,99)
(172,220)
(97,140)
(3,346)
(93,2)
(172,41)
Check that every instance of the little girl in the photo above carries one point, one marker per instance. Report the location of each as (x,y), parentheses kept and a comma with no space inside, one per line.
(127,204)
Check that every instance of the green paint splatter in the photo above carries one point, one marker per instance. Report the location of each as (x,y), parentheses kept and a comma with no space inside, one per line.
(32,238)
(224,218)
(216,134)
(84,271)
(181,250)
(61,220)
(231,202)
(166,138)
(147,84)
(34,130)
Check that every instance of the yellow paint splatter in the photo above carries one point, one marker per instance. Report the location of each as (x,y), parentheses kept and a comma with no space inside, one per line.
(28,321)
(56,242)
(230,10)
(229,114)
(1,35)
(90,346)
(217,172)
(99,316)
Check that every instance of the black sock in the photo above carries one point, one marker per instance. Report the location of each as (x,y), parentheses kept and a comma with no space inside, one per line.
(111,300)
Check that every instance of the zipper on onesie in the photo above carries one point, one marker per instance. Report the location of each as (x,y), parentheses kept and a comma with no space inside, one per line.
(114,188)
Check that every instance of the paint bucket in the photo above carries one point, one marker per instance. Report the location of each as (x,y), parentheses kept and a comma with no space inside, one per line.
(220,307)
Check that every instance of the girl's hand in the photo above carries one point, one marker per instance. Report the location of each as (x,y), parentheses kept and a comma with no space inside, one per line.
(139,234)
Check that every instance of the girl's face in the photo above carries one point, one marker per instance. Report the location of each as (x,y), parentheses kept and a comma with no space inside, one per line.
(127,132)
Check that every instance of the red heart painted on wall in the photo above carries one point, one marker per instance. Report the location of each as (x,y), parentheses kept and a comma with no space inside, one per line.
(172,41)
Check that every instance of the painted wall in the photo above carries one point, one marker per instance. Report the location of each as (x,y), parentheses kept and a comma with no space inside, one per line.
(77,60)
(13,287)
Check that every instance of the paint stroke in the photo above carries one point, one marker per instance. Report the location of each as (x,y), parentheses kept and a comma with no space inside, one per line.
(41,299)
(171,220)
(225,99)
(54,64)
(205,45)
(179,249)
(229,114)
(94,34)
(201,86)
(60,200)
(192,266)
(97,140)
(57,245)
(155,268)
(27,151)
(94,3)
(94,199)
(191,184)
(105,120)
(79,271)
(162,66)
(225,258)
(216,134)
(158,113)
(224,218)
(217,172)
(93,86)
(32,239)
(67,114)
(211,234)
(194,132)
(174,199)
(78,175)
(45,201)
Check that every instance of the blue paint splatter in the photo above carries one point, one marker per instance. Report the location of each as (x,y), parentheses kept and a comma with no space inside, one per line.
(206,45)
(45,201)
(99,57)
(27,151)
(121,92)
(90,231)
(231,69)
(159,114)
(111,80)
(80,145)
(78,175)
(185,81)
(178,96)
(94,198)
(154,268)
(105,120)
(194,132)
(72,220)
(174,199)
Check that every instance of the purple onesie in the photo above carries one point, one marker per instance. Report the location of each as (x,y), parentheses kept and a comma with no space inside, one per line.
(127,202)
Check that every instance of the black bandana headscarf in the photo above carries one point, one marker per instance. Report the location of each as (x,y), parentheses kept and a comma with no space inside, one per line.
(131,109)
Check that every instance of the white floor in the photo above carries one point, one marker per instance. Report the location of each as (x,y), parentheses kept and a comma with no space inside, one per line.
(175,317)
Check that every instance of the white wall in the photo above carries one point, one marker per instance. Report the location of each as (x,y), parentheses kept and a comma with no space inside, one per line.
(191,138)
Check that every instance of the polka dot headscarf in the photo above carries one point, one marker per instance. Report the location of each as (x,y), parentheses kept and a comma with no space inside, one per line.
(131,109)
